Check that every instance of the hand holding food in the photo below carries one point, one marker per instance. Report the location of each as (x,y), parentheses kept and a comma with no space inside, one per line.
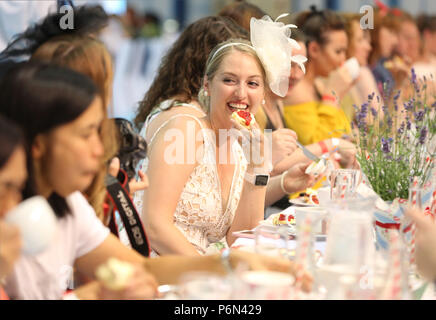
(316,168)
(115,274)
(123,280)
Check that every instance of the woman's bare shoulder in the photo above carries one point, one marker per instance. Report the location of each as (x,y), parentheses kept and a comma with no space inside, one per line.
(167,115)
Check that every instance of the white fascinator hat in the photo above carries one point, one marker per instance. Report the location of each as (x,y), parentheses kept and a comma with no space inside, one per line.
(271,40)
(273,45)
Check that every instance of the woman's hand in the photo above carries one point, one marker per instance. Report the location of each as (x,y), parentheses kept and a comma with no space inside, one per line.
(338,82)
(142,286)
(114,168)
(347,154)
(425,242)
(255,261)
(284,143)
(10,247)
(399,68)
(296,179)
(253,143)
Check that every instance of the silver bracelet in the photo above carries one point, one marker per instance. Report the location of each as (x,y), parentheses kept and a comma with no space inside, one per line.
(225,260)
(282,179)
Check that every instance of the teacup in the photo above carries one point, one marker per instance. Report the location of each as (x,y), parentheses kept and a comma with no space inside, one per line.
(37,223)
(267,285)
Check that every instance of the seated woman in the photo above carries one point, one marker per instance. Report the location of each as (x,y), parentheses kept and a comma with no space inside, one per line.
(359,47)
(60,113)
(389,73)
(176,87)
(13,176)
(271,116)
(81,51)
(216,193)
(312,114)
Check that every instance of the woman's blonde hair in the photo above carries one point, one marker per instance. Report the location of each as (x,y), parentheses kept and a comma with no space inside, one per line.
(89,56)
(217,56)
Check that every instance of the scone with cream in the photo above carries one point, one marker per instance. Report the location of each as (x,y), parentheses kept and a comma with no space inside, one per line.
(244,118)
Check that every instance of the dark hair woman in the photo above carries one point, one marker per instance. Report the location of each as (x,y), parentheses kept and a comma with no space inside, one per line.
(312,113)
(60,113)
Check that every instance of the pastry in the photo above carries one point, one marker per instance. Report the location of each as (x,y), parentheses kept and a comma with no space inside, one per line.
(244,118)
(115,274)
(310,196)
(316,168)
(283,219)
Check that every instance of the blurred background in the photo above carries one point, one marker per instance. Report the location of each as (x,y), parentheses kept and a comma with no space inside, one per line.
(141,31)
(187,11)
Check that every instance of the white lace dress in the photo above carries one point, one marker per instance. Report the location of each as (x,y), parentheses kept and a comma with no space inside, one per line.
(199,214)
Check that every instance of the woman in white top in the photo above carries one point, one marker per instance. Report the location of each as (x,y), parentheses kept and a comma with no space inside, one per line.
(207,181)
(60,113)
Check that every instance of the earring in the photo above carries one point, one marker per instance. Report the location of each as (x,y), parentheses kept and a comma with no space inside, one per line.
(205,93)
(263,101)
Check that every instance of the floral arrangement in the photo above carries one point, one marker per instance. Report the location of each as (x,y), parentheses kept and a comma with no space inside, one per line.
(397,142)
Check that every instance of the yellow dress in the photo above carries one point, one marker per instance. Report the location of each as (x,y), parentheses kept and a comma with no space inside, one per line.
(315,121)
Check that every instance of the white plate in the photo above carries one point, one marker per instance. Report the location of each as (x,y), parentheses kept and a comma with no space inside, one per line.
(300,203)
(289,228)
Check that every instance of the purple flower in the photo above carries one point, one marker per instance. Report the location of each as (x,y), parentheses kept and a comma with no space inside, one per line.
(415,81)
(371,96)
(419,115)
(385,145)
(401,128)
(373,112)
(361,116)
(409,124)
(364,108)
(423,135)
(409,105)
(389,122)
(397,95)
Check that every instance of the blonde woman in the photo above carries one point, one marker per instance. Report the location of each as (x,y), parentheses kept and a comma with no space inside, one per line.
(207,199)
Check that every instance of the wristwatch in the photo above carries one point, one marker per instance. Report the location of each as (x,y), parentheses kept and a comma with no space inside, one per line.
(257,179)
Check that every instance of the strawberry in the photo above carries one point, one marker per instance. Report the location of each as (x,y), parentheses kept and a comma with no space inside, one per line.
(246,116)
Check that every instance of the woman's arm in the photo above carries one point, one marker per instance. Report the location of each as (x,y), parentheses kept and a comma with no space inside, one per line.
(172,159)
(294,180)
(167,269)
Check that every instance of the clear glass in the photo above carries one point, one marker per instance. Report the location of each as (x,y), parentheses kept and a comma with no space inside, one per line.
(272,241)
(350,248)
(343,183)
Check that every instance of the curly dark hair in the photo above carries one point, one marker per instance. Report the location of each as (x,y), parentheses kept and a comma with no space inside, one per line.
(181,70)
